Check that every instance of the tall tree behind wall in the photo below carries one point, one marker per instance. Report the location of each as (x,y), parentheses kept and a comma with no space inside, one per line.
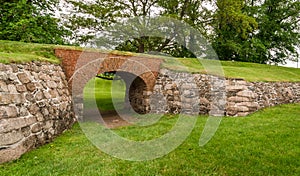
(279,29)
(30,21)
(233,31)
(97,15)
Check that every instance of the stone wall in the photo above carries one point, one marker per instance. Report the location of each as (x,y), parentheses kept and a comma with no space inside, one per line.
(35,107)
(206,94)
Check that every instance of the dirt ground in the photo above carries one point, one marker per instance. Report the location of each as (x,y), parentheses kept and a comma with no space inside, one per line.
(111,118)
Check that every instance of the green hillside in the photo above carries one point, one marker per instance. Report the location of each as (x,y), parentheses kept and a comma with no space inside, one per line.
(20,52)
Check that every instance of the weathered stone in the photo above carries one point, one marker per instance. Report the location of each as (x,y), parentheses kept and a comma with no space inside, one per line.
(238,99)
(3,76)
(248,104)
(41,104)
(39,117)
(37,127)
(8,112)
(14,67)
(236,88)
(44,77)
(204,101)
(10,138)
(34,109)
(21,88)
(11,77)
(26,131)
(18,98)
(23,111)
(247,93)
(3,86)
(31,86)
(39,96)
(12,89)
(30,97)
(5,99)
(51,84)
(47,94)
(242,114)
(15,123)
(24,78)
(53,93)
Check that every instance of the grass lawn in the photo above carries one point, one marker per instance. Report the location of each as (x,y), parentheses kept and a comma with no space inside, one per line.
(265,143)
(24,52)
(102,91)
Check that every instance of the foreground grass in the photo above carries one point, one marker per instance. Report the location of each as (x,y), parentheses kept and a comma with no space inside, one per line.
(265,143)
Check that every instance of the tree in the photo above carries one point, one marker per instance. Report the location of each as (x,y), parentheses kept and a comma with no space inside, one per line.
(30,21)
(278,31)
(96,16)
(233,31)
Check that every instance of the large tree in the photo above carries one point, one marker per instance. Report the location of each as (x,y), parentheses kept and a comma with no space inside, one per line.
(31,21)
(97,15)
(233,31)
(278,29)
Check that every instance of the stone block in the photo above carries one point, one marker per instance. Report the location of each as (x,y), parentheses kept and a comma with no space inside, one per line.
(39,96)
(3,86)
(249,104)
(29,97)
(23,112)
(8,112)
(247,93)
(235,88)
(31,86)
(24,78)
(52,84)
(21,88)
(34,109)
(18,98)
(11,138)
(37,127)
(10,124)
(238,99)
(26,131)
(5,98)
(12,89)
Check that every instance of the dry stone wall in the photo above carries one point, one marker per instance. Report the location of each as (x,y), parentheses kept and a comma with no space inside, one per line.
(175,92)
(35,107)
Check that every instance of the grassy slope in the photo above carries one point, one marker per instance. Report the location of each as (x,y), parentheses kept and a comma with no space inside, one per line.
(102,92)
(24,52)
(265,143)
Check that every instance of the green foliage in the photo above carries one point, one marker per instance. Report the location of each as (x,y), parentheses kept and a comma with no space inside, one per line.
(233,31)
(252,30)
(265,143)
(30,21)
(278,33)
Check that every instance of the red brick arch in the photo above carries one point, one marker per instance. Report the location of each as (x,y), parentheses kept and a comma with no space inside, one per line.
(144,69)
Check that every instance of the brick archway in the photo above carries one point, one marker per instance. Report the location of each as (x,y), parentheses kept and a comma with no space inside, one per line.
(139,73)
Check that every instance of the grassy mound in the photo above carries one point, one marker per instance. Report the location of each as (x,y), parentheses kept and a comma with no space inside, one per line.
(20,52)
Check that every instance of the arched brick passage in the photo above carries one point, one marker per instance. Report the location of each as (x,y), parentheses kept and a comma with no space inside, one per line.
(139,73)
(137,94)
